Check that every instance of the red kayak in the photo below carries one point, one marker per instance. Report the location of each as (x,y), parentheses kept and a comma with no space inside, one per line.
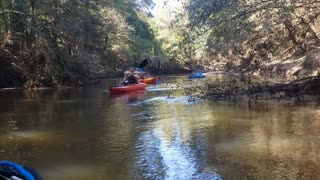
(151,80)
(129,88)
(129,95)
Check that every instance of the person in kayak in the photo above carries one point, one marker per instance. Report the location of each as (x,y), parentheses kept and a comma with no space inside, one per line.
(130,77)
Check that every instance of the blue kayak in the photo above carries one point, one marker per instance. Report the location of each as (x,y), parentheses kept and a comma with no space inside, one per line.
(11,170)
(197,75)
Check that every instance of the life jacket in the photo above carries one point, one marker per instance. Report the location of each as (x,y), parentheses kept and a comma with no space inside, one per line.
(131,79)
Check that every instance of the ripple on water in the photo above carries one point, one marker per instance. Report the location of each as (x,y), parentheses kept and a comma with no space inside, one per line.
(187,100)
(156,88)
(149,162)
(174,157)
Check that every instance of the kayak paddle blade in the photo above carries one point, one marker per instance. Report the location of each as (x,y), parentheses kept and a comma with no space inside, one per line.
(143,63)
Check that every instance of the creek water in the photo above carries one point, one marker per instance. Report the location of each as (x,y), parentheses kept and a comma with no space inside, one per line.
(87,133)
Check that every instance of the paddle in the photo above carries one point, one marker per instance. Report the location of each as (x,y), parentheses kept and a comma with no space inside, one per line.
(143,63)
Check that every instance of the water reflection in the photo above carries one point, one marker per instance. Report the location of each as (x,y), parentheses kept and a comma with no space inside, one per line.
(275,144)
(169,144)
(85,133)
(129,97)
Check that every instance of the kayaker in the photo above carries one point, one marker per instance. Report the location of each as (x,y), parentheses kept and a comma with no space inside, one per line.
(130,77)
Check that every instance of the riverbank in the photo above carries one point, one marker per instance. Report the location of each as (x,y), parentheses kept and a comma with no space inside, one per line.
(254,87)
(293,77)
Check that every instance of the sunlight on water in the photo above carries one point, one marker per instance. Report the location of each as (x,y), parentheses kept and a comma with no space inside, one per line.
(157,88)
(174,100)
(170,141)
(30,134)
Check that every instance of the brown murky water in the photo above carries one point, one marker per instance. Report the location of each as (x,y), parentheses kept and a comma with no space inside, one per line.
(85,133)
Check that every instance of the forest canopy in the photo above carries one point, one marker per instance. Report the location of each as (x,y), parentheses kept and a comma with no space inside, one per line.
(45,43)
(51,43)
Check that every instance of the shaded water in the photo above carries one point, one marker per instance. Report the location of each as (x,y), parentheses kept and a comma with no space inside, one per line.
(86,133)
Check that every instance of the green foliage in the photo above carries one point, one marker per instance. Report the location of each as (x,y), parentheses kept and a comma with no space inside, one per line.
(254,31)
(204,11)
(63,42)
